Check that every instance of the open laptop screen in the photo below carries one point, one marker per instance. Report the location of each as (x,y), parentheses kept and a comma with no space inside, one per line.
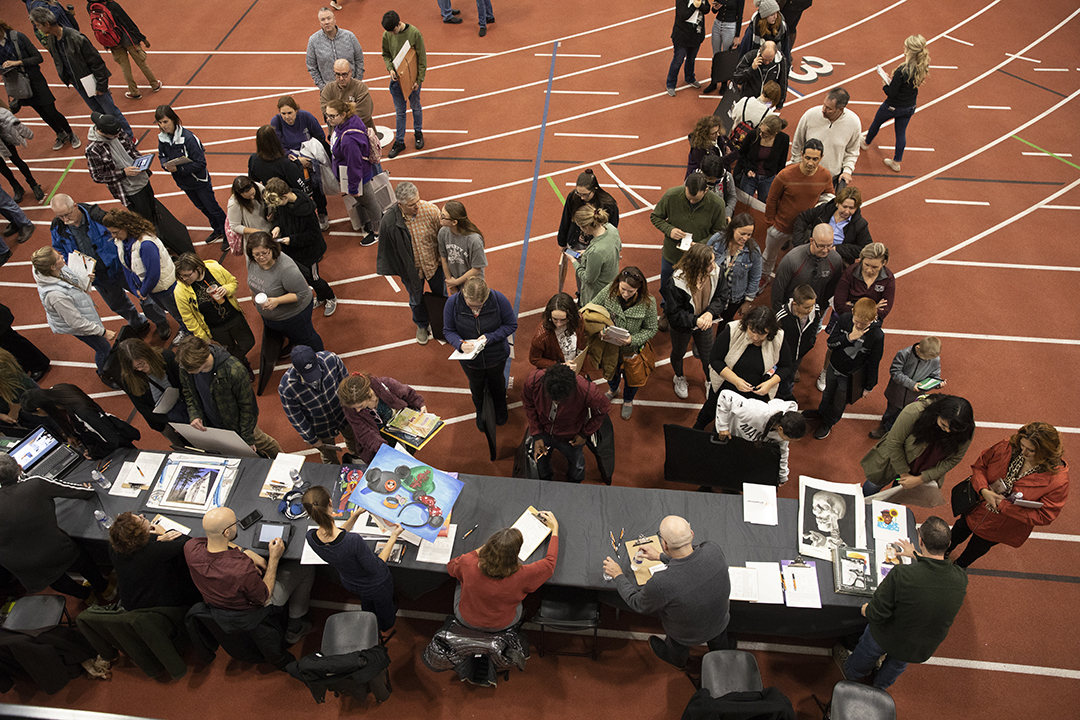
(33,448)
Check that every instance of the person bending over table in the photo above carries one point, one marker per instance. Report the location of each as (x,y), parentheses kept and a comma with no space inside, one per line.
(150,567)
(146,373)
(563,410)
(361,571)
(775,421)
(14,383)
(492,582)
(80,420)
(369,404)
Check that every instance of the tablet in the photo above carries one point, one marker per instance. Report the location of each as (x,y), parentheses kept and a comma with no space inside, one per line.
(265,532)
(143,161)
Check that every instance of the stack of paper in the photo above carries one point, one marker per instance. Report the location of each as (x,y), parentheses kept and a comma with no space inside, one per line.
(136,476)
(744,584)
(801,584)
(478,346)
(533,532)
(759,504)
(770,589)
(438,552)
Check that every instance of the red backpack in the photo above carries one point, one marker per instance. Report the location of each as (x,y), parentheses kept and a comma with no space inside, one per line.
(107,32)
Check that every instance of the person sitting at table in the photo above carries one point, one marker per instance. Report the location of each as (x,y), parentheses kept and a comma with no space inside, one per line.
(150,567)
(560,336)
(218,393)
(492,582)
(691,597)
(241,587)
(33,548)
(309,394)
(360,570)
(369,403)
(146,374)
(80,421)
(563,410)
(775,421)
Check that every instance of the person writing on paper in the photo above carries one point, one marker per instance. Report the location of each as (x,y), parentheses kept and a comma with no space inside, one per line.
(244,589)
(360,570)
(690,597)
(828,508)
(492,582)
(563,410)
(150,567)
(369,404)
(1024,467)
(146,374)
(775,421)
(911,611)
(560,336)
(929,438)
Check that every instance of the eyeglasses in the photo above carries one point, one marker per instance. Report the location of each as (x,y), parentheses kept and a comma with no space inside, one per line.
(225,532)
(332,116)
(344,74)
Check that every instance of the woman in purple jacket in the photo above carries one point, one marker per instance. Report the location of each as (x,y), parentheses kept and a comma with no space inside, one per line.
(369,404)
(294,127)
(351,150)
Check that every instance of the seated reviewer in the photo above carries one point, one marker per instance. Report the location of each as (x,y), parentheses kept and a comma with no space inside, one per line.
(240,586)
(360,570)
(690,597)
(563,410)
(492,582)
(150,567)
(775,421)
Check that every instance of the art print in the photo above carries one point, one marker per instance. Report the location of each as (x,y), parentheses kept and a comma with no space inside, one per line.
(830,515)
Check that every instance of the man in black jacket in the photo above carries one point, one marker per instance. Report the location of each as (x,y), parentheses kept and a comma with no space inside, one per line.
(131,42)
(799,321)
(759,67)
(78,64)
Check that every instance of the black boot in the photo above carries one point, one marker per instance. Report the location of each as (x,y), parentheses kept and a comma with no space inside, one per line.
(39,194)
(18,193)
(711,86)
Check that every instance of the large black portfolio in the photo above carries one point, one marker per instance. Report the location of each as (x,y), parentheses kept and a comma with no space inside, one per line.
(699,457)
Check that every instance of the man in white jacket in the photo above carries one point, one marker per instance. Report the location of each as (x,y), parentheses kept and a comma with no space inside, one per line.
(776,421)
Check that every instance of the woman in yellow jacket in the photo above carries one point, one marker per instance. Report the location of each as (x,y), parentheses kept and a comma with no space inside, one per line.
(206,297)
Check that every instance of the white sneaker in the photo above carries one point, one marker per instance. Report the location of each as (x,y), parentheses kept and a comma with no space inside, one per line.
(681,388)
(821,381)
(892,164)
(331,307)
(862,142)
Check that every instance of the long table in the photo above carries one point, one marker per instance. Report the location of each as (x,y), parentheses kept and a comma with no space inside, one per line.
(586,514)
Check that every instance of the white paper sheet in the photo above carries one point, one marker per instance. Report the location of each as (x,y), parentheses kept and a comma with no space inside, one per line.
(149,463)
(801,587)
(661,567)
(477,348)
(759,504)
(744,584)
(162,521)
(890,520)
(885,77)
(438,552)
(278,481)
(89,84)
(770,589)
(167,401)
(215,440)
(533,532)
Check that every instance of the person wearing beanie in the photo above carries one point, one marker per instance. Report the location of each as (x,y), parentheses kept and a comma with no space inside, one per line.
(766,24)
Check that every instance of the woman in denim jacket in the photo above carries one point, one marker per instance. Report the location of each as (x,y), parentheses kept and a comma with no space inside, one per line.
(739,258)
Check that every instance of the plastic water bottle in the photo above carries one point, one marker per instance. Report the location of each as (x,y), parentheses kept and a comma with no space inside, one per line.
(297,481)
(102,481)
(103,519)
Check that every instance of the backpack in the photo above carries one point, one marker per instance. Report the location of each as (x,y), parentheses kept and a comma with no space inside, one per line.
(107,32)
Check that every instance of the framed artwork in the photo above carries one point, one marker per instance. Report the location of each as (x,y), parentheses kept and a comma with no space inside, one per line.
(830,515)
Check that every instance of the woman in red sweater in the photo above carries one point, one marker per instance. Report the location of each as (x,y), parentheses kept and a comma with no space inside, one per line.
(492,582)
(560,336)
(1029,463)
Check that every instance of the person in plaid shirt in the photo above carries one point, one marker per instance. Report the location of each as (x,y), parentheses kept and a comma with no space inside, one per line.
(410,250)
(309,394)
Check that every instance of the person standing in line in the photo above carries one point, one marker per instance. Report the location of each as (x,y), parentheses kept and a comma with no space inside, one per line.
(560,336)
(694,299)
(331,43)
(449,14)
(206,297)
(294,128)
(792,12)
(485,15)
(794,189)
(901,94)
(296,227)
(911,611)
(840,132)
(765,24)
(18,54)
(77,61)
(369,404)
(461,246)
(246,209)
(728,14)
(396,35)
(355,164)
(739,258)
(13,134)
(288,303)
(146,374)
(347,89)
(761,156)
(799,321)
(597,265)
(563,409)
(181,153)
(910,366)
(126,41)
(687,34)
(691,597)
(18,224)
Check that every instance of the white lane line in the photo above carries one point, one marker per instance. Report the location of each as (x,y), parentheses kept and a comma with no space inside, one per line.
(850,102)
(989,107)
(944,67)
(1061,207)
(1055,536)
(1050,69)
(584,92)
(632,187)
(909,148)
(626,187)
(376,303)
(1008,266)
(642,246)
(424,179)
(393,283)
(432,388)
(978,423)
(566,55)
(1005,667)
(1046,154)
(962,42)
(596,135)
(982,203)
(1021,57)
(981,336)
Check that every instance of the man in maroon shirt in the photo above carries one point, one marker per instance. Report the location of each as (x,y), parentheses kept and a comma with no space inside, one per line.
(795,188)
(563,410)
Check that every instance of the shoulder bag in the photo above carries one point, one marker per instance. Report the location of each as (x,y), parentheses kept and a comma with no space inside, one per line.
(638,366)
(16,81)
(964,499)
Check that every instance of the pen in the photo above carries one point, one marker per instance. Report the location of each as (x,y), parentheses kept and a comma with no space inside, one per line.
(614,545)
(106,466)
(141,472)
(470,531)
(794,585)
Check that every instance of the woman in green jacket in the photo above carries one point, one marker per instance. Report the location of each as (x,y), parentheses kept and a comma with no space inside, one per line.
(632,308)
(598,264)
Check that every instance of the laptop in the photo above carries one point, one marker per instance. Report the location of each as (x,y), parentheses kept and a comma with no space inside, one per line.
(41,453)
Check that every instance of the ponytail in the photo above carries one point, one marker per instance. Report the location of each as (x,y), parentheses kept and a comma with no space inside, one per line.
(316,500)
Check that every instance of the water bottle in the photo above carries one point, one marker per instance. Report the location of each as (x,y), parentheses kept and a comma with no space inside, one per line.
(103,519)
(297,481)
(102,481)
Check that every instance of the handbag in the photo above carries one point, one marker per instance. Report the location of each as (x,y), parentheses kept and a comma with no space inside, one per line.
(17,82)
(964,499)
(638,366)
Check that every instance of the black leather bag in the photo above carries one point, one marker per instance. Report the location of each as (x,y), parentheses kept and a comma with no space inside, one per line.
(964,499)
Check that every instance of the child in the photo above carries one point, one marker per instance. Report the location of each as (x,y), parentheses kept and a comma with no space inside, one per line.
(775,421)
(856,343)
(910,366)
(798,320)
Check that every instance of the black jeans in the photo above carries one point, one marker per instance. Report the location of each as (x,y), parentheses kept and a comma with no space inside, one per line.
(679,653)
(85,566)
(976,548)
(51,116)
(19,163)
(298,329)
(493,380)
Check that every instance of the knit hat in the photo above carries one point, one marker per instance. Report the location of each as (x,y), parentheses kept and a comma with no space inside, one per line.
(767,7)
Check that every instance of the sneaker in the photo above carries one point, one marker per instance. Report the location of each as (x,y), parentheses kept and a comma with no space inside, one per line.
(627,410)
(163,331)
(662,323)
(319,303)
(483,31)
(18,193)
(695,84)
(335,5)
(214,237)
(331,307)
(822,432)
(452,20)
(24,234)
(422,335)
(710,88)
(108,382)
(399,147)
(877,433)
(862,142)
(420,137)
(892,164)
(59,144)
(671,92)
(369,240)
(76,143)
(157,87)
(454,12)
(324,222)
(11,229)
(610,394)
(298,628)
(133,96)
(490,21)
(821,381)
(681,388)
(39,194)
(840,655)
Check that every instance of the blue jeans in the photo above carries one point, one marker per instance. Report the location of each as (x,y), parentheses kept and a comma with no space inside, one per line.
(484,12)
(202,197)
(104,104)
(834,397)
(399,109)
(167,300)
(759,185)
(901,117)
(116,297)
(298,329)
(12,211)
(445,9)
(682,53)
(101,348)
(864,658)
(628,392)
(437,283)
(575,458)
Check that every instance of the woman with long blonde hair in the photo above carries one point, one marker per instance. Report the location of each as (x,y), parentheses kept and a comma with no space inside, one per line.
(900,96)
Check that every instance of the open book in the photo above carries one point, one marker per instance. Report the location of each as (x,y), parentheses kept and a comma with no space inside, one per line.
(413,427)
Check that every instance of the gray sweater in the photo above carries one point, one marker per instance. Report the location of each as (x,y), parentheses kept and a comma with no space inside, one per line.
(283,278)
(322,52)
(690,597)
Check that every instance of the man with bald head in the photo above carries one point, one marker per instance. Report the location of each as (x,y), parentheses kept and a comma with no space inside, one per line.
(816,264)
(328,44)
(348,89)
(243,589)
(758,67)
(690,597)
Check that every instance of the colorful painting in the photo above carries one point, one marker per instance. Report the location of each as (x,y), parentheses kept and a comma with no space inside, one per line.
(400,489)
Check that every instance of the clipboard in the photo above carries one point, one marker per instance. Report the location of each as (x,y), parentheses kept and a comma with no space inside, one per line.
(643,569)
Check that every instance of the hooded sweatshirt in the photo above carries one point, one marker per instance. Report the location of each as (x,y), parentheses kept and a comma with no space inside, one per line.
(746,418)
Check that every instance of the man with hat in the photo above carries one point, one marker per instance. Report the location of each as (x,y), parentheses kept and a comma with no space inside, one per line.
(110,156)
(309,394)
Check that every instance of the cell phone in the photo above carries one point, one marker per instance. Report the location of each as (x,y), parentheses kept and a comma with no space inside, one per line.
(573,253)
(251,519)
